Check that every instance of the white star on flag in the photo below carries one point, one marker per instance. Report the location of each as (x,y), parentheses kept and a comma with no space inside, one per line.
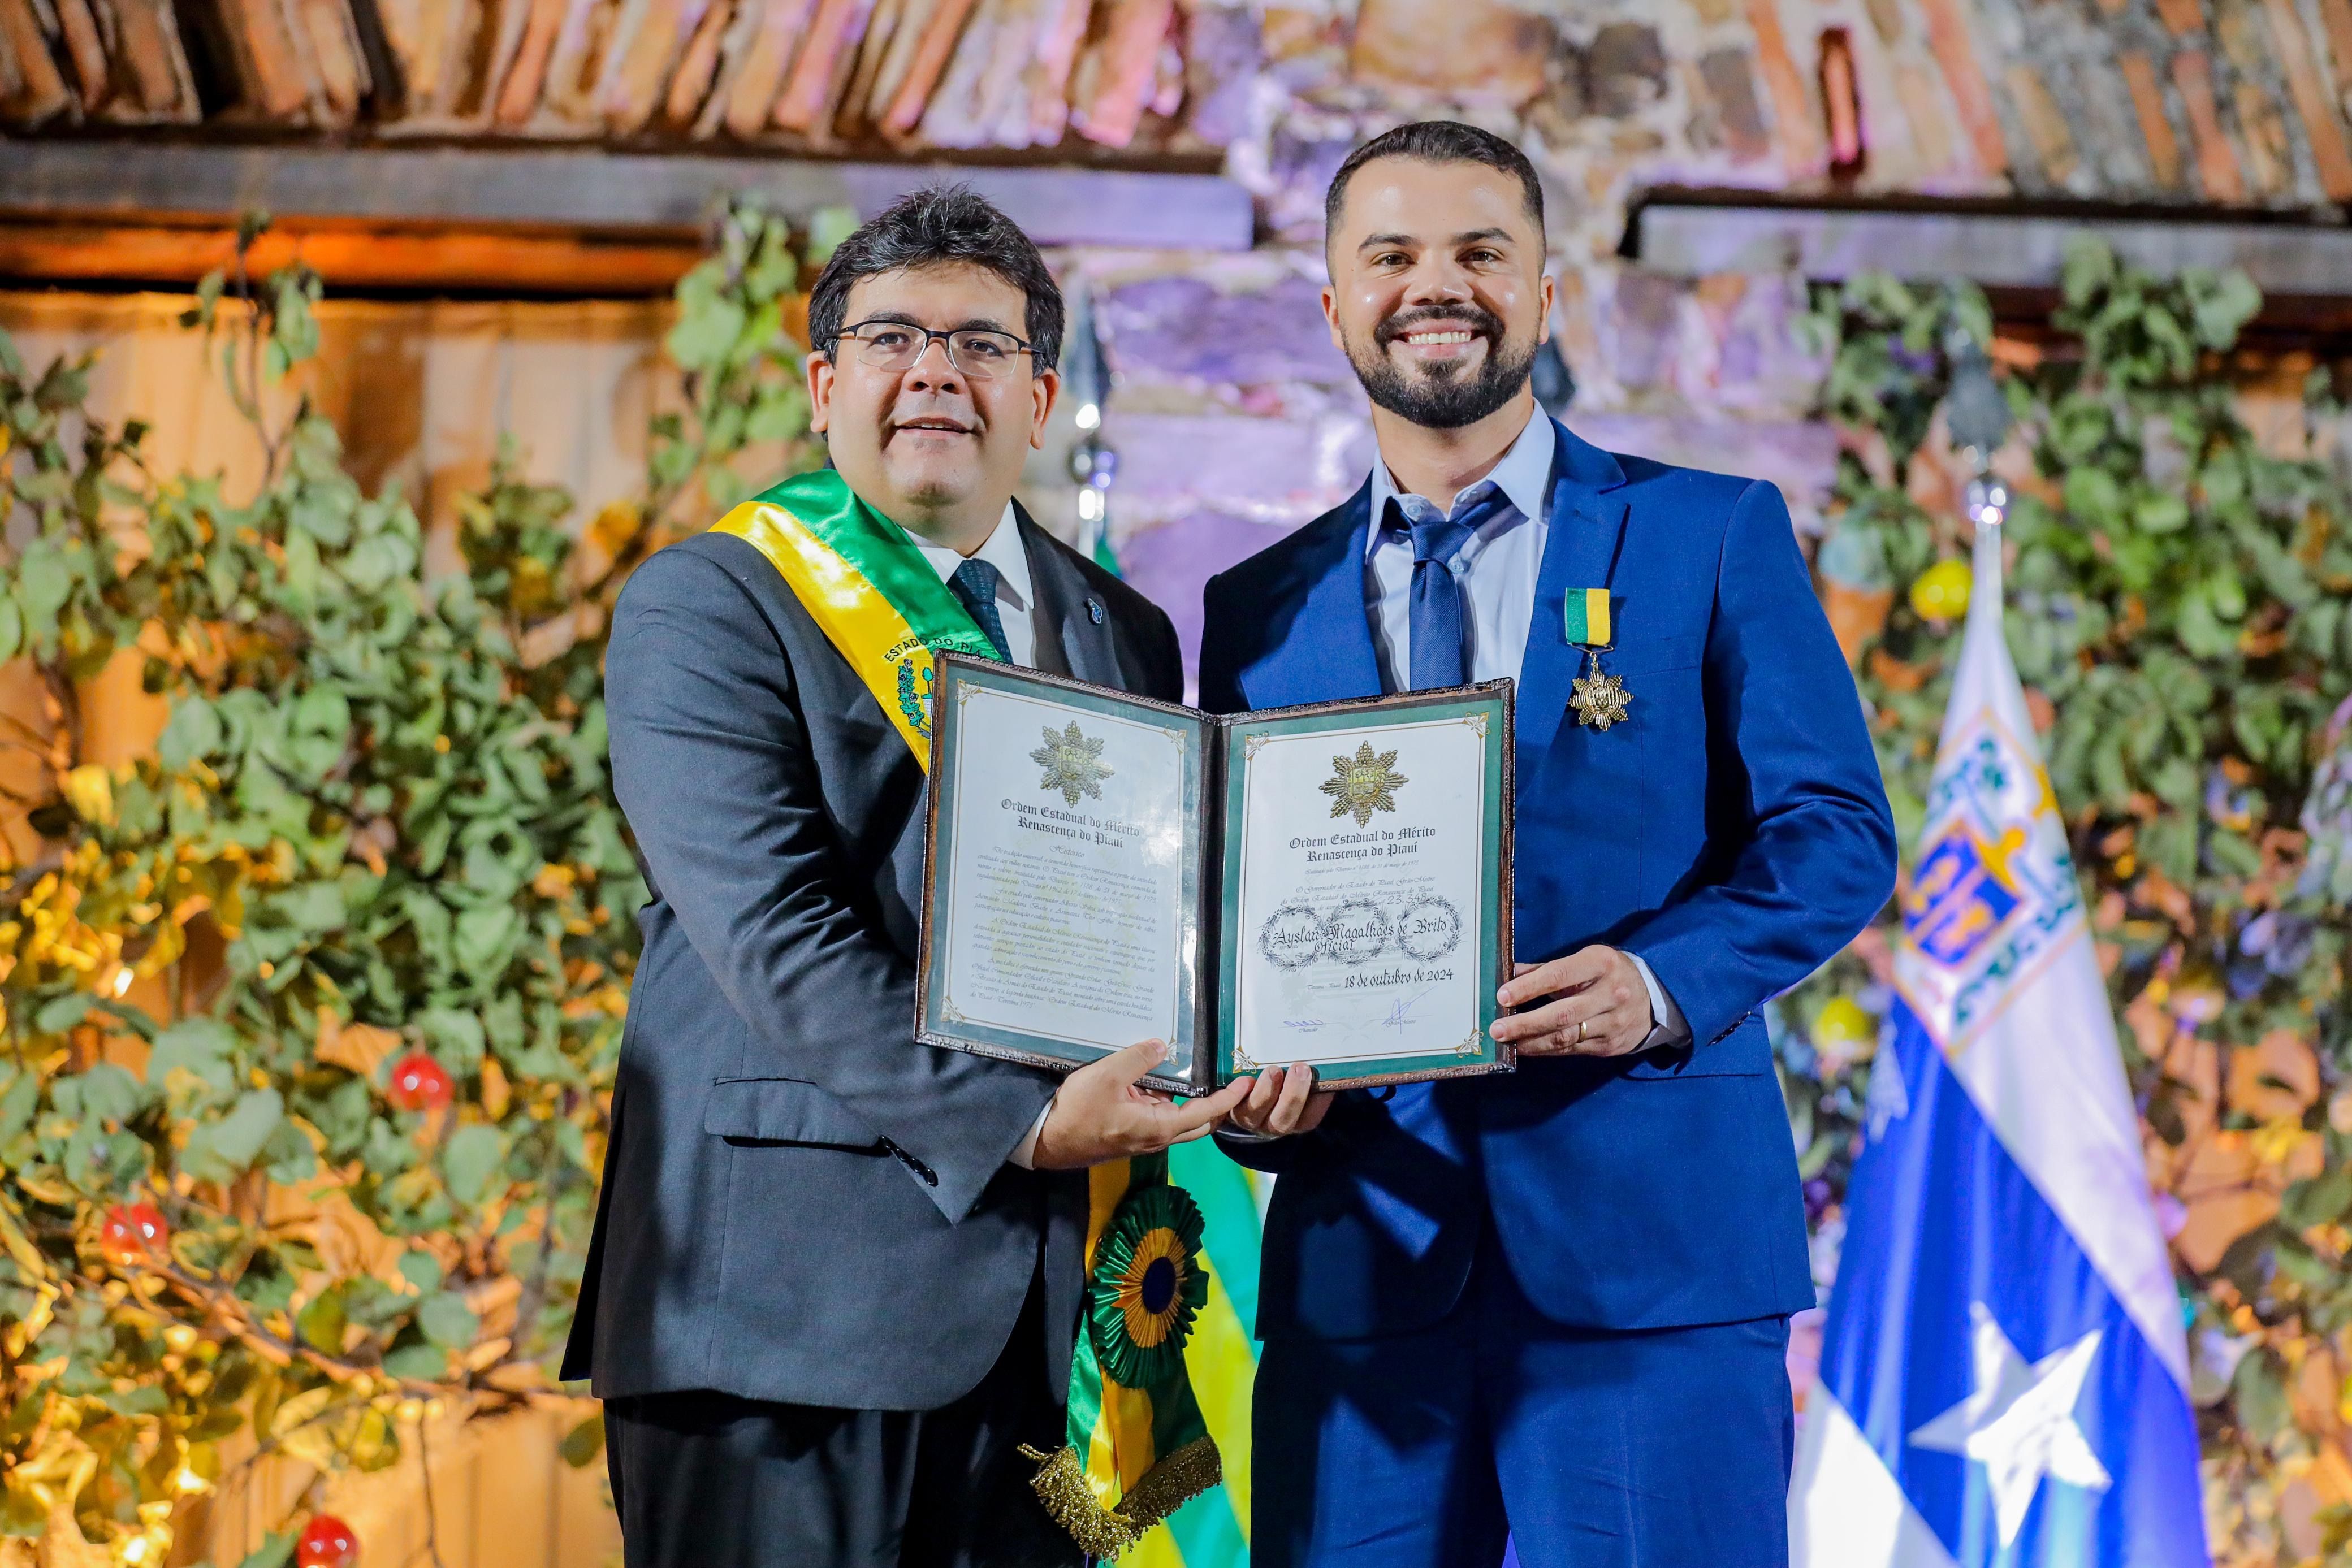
(2020,1423)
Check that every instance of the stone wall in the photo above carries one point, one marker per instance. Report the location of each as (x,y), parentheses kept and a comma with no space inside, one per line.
(1236,420)
(2239,104)
(1233,415)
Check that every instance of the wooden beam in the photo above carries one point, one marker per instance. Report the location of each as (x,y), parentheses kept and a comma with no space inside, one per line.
(353,257)
(1996,250)
(586,191)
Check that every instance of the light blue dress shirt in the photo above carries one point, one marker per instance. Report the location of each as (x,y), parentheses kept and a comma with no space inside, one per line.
(1496,570)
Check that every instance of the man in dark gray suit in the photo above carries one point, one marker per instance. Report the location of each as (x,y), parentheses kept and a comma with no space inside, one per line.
(835,1276)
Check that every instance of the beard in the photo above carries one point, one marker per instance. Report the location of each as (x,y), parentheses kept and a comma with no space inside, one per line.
(1443,396)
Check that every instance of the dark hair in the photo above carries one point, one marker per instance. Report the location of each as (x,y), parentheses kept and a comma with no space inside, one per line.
(1436,142)
(924,228)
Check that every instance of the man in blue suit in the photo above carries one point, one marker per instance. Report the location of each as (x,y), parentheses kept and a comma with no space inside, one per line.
(1552,1303)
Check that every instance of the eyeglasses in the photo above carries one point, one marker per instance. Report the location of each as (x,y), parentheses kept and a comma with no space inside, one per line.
(979,353)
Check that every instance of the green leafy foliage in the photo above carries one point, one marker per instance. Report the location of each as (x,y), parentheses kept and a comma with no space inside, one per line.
(2177,597)
(377,822)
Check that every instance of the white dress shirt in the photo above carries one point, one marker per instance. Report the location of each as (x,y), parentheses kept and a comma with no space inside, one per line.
(1496,570)
(1016,595)
(1016,605)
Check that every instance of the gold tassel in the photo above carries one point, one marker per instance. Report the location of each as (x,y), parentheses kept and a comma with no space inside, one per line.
(1169,1485)
(1062,1487)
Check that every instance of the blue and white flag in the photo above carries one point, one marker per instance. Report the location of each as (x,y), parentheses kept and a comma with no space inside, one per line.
(2004,1376)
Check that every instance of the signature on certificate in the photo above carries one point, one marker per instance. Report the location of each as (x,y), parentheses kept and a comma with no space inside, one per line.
(1401,1014)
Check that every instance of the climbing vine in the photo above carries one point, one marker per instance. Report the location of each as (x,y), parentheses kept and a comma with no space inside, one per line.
(309,1018)
(2180,608)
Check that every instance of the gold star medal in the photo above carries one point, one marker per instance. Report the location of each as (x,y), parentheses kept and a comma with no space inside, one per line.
(1600,698)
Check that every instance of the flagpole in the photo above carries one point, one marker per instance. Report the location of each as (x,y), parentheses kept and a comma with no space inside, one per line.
(1976,416)
(1988,505)
(1094,462)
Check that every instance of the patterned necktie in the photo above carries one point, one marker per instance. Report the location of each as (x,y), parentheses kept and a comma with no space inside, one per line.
(974,583)
(1436,646)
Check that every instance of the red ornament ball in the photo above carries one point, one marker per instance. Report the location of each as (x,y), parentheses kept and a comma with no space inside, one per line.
(326,1543)
(421,1083)
(133,1233)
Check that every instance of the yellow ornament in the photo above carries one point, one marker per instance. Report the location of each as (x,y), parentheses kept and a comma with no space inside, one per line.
(1841,1026)
(1941,592)
(92,792)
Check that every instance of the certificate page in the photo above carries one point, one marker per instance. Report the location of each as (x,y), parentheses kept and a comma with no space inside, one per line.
(1066,860)
(1363,879)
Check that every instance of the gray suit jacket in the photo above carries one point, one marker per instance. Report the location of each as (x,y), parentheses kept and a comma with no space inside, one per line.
(800,1202)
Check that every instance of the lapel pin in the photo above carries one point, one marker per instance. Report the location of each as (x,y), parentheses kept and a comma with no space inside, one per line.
(1094,610)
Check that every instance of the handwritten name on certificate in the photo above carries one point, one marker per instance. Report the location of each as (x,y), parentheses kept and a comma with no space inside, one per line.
(1067,887)
(1360,880)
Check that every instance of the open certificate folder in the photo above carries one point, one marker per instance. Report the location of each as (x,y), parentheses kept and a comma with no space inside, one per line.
(1325,885)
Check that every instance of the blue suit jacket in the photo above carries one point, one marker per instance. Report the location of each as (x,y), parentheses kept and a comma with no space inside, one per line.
(1732,831)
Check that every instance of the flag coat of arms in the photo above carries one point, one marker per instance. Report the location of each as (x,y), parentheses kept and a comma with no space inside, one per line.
(2004,1372)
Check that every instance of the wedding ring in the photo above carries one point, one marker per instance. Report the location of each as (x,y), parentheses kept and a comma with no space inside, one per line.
(1579,1032)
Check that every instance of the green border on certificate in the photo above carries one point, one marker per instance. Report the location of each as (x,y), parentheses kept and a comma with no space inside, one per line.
(1492,911)
(1077,988)
(937,1022)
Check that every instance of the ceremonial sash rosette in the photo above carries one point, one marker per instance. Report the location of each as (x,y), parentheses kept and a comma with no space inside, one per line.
(1138,1448)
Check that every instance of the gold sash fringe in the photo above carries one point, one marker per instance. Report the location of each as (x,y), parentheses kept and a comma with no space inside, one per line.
(1169,1485)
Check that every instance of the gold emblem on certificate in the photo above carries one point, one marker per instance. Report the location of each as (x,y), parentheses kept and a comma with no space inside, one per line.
(1073,764)
(1363,784)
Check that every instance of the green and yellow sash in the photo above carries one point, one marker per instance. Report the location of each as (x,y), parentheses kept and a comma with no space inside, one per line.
(869,588)
(1138,1448)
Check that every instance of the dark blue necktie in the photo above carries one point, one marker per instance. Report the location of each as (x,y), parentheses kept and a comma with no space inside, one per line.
(1437,650)
(974,583)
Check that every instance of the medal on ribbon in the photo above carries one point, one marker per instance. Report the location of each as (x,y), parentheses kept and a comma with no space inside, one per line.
(1601,698)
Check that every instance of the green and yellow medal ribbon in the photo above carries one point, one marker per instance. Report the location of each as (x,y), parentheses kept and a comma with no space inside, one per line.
(1599,698)
(1588,617)
(1138,1448)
